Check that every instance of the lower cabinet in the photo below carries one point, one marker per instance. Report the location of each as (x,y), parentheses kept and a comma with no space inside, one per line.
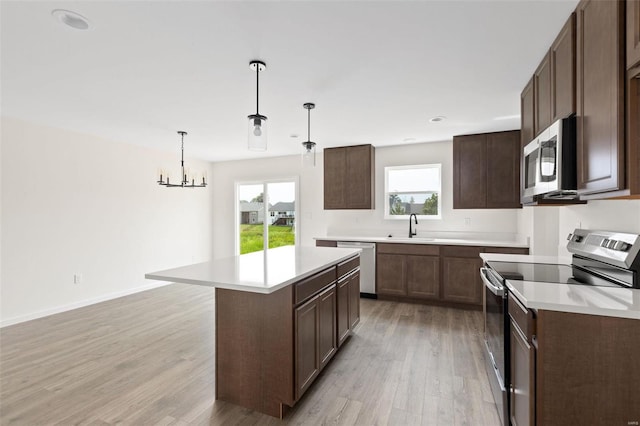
(522,394)
(461,281)
(408,270)
(323,321)
(348,291)
(307,359)
(433,273)
(569,368)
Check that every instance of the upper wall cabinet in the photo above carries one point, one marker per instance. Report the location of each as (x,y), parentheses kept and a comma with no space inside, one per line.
(562,56)
(349,177)
(542,98)
(527,114)
(633,33)
(486,171)
(551,93)
(600,96)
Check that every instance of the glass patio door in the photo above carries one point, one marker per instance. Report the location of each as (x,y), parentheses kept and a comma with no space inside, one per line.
(266,215)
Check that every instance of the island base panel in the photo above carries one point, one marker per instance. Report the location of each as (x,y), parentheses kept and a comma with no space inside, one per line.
(254,356)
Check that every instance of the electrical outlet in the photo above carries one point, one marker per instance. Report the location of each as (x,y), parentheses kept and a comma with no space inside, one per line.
(467,221)
(77,278)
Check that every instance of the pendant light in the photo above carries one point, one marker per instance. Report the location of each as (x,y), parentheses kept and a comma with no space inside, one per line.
(257,122)
(309,153)
(187,180)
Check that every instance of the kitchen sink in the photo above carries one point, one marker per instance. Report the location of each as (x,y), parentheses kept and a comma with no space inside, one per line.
(414,239)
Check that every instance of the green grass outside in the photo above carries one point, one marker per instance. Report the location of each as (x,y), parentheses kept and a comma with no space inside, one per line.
(251,237)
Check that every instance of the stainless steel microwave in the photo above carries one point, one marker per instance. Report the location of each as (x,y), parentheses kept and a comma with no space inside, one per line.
(549,163)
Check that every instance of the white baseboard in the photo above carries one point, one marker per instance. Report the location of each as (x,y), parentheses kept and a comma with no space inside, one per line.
(80,304)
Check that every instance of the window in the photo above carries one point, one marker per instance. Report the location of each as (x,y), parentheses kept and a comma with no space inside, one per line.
(412,189)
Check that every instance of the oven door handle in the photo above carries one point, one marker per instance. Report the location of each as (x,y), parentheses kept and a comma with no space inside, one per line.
(498,291)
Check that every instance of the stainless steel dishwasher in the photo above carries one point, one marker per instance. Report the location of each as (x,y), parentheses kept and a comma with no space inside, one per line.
(367,266)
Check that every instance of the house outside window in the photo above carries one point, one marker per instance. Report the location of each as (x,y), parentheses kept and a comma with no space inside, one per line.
(414,189)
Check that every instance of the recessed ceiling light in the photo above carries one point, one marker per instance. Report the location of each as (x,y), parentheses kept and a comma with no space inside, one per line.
(438,118)
(71,19)
(293,135)
(409,140)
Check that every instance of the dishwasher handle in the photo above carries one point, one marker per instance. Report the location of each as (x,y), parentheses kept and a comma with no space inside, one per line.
(345,244)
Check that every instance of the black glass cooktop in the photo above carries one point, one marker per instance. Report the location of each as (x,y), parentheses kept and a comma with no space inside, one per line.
(546,272)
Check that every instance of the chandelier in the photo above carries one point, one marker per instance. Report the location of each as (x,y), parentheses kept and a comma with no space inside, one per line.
(187,180)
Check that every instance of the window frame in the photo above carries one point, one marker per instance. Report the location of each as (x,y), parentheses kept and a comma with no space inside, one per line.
(387,169)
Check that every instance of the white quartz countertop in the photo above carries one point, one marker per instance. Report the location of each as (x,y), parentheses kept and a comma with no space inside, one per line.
(258,272)
(581,299)
(433,241)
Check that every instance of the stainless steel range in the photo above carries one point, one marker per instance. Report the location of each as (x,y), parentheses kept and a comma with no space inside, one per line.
(599,258)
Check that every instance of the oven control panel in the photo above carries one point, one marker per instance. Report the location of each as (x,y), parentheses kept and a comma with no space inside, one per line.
(616,248)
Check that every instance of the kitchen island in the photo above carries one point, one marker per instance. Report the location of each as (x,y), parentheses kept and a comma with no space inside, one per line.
(281,315)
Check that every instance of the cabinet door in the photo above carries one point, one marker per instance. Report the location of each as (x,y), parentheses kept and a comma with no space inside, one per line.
(542,90)
(503,170)
(600,96)
(527,114)
(391,274)
(423,277)
(335,168)
(306,353)
(522,392)
(470,172)
(461,280)
(354,300)
(563,71)
(633,32)
(327,343)
(359,177)
(343,310)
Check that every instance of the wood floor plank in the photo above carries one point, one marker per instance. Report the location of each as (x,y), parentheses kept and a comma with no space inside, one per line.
(148,359)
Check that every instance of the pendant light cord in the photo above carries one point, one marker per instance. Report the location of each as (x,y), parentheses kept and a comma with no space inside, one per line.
(182,178)
(309,125)
(257,88)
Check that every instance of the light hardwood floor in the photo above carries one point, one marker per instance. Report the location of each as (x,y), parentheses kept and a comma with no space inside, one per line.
(148,359)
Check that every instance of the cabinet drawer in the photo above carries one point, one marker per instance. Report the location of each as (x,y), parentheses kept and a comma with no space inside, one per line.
(308,287)
(348,266)
(522,316)
(415,249)
(461,251)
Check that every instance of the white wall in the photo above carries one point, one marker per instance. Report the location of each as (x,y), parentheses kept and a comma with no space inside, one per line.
(73,203)
(315,221)
(549,226)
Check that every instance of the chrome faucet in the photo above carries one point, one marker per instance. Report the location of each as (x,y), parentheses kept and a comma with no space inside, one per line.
(411,231)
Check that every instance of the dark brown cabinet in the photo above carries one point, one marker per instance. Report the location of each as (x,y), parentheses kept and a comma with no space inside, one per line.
(562,57)
(633,33)
(460,277)
(327,342)
(432,273)
(408,270)
(423,276)
(486,171)
(349,177)
(523,365)
(354,300)
(348,304)
(600,96)
(542,98)
(527,114)
(307,349)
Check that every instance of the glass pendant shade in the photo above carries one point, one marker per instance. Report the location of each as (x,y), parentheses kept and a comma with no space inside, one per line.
(257,132)
(309,154)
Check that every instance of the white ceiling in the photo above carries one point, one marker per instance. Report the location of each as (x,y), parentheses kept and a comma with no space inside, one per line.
(377,70)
